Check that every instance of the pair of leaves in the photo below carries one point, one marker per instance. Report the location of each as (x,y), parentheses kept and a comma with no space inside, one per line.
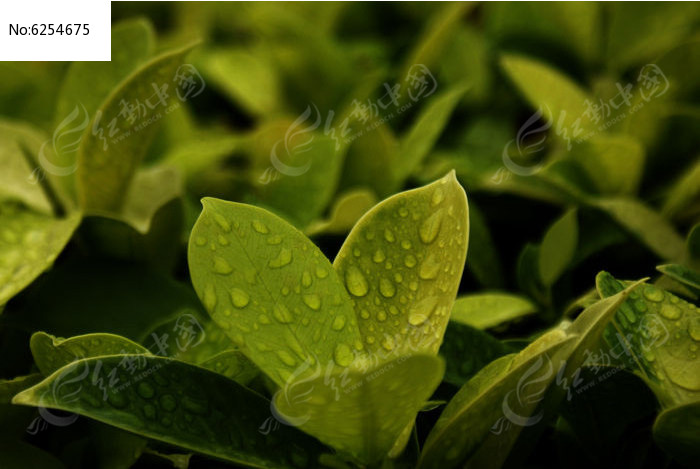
(387,295)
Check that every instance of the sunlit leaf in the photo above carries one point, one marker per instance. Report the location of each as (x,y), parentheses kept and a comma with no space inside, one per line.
(487,310)
(118,135)
(29,244)
(272,291)
(650,227)
(558,247)
(348,208)
(51,353)
(402,263)
(661,332)
(375,407)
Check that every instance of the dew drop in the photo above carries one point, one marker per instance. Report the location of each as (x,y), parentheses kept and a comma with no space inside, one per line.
(221,266)
(403,212)
(430,228)
(286,358)
(274,240)
(338,323)
(653,294)
(306,279)
(223,240)
(313,301)
(343,355)
(239,298)
(389,236)
(264,319)
(260,227)
(421,311)
(410,260)
(145,390)
(200,240)
(222,222)
(149,412)
(321,272)
(209,297)
(283,258)
(387,288)
(388,343)
(670,311)
(356,282)
(364,314)
(694,330)
(282,314)
(430,268)
(378,256)
(437,197)
(381,315)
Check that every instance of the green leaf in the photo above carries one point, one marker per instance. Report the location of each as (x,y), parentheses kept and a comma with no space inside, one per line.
(467,350)
(475,424)
(87,84)
(562,102)
(402,264)
(234,365)
(176,403)
(474,410)
(272,291)
(375,406)
(693,243)
(677,431)
(347,209)
(29,244)
(51,353)
(17,181)
(435,38)
(614,162)
(684,192)
(558,247)
(426,129)
(528,273)
(650,227)
(684,275)
(150,190)
(248,77)
(661,332)
(200,153)
(113,145)
(487,310)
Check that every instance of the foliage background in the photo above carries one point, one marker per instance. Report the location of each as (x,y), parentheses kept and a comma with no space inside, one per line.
(627,199)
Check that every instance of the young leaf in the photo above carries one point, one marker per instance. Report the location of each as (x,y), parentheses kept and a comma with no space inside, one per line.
(150,190)
(562,102)
(374,407)
(249,78)
(475,424)
(115,141)
(487,310)
(661,332)
(650,227)
(176,403)
(477,407)
(402,264)
(29,244)
(682,274)
(426,129)
(558,248)
(51,353)
(348,208)
(684,192)
(87,84)
(16,181)
(272,291)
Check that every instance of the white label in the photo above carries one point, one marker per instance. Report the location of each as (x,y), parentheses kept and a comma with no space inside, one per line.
(63,30)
